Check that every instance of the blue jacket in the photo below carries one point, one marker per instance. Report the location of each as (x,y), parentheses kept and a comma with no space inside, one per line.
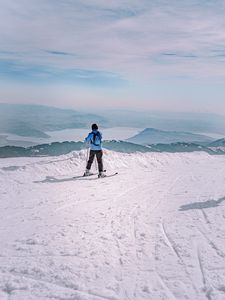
(97,144)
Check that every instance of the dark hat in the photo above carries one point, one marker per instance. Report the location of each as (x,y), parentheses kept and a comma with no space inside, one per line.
(94,127)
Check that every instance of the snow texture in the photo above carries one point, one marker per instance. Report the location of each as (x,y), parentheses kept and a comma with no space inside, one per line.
(154,231)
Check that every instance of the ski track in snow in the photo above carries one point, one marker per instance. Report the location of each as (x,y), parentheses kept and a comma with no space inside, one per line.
(154,231)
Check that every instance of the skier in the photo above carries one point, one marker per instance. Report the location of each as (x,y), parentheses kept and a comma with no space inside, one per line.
(94,138)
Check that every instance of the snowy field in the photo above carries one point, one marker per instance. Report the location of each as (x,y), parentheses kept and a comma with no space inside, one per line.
(154,231)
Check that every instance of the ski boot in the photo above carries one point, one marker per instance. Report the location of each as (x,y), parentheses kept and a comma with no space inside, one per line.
(101,175)
(87,173)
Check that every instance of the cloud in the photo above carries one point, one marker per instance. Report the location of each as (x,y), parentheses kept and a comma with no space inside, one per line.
(58,52)
(45,75)
(134,39)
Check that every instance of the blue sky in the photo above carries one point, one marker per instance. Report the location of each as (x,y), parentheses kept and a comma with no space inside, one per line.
(136,54)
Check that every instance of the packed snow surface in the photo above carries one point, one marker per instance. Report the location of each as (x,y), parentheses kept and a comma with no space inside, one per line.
(154,231)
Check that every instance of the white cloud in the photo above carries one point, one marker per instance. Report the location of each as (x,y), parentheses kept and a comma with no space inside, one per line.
(141,41)
(126,37)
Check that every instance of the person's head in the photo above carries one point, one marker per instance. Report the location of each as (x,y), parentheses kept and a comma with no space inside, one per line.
(94,127)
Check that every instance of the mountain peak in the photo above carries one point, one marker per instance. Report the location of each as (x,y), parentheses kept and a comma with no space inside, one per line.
(155,136)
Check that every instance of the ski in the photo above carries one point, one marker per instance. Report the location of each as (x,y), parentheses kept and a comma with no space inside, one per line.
(110,175)
(81,176)
(52,179)
(96,178)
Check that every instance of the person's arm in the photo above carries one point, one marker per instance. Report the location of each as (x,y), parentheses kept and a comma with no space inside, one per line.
(88,138)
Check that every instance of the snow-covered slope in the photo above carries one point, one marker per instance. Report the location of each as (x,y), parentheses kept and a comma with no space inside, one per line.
(154,231)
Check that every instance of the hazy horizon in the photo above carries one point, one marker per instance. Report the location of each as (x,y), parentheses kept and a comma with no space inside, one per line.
(38,120)
(103,110)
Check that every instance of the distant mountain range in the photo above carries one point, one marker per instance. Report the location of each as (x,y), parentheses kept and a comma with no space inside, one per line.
(151,136)
(35,120)
(164,120)
(57,148)
(218,143)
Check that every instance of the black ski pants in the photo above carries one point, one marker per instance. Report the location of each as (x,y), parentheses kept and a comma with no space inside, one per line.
(98,154)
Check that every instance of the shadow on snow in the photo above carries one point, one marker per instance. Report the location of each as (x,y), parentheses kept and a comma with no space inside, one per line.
(51,179)
(201,205)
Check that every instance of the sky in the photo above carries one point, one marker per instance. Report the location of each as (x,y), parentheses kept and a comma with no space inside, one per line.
(128,54)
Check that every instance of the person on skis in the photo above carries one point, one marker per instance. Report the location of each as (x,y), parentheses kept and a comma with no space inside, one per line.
(94,139)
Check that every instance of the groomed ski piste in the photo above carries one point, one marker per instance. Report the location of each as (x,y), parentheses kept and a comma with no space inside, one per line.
(154,231)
